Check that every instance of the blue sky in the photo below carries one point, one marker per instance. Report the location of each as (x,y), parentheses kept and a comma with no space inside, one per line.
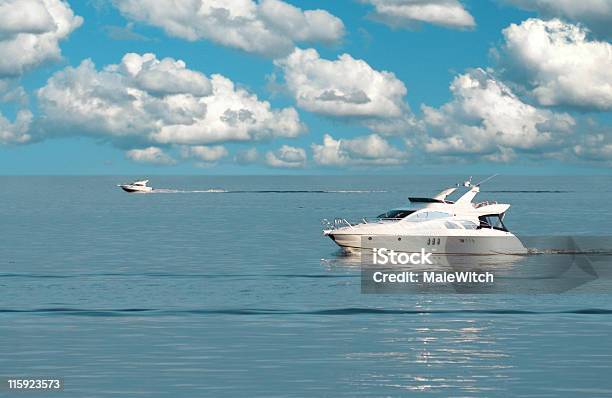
(507,110)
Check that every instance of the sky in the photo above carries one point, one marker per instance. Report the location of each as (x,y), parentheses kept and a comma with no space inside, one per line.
(144,87)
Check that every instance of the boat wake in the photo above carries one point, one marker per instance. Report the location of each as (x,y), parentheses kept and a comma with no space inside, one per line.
(536,251)
(308,191)
(529,191)
(163,190)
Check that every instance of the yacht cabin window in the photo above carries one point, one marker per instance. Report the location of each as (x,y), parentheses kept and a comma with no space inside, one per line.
(426,216)
(469,224)
(395,214)
(451,225)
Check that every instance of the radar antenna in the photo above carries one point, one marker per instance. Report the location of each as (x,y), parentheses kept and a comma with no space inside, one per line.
(467,183)
(485,180)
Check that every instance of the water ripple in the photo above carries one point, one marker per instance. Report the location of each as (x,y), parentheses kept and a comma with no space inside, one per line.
(177,275)
(269,311)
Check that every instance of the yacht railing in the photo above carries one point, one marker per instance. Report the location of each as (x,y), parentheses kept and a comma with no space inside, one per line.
(336,223)
(486,203)
(343,222)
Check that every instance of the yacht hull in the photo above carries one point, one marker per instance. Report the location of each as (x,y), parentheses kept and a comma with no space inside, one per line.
(505,244)
(132,189)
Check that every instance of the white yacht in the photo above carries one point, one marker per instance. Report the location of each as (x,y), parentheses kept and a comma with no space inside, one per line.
(136,186)
(436,225)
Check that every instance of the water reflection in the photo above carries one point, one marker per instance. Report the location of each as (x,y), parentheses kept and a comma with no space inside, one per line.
(419,358)
(436,351)
(534,273)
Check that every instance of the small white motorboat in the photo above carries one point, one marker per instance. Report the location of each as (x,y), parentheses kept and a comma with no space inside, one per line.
(136,186)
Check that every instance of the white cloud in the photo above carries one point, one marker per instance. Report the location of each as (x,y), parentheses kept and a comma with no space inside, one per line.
(486,117)
(368,150)
(596,14)
(286,157)
(595,147)
(124,32)
(158,101)
(164,77)
(248,156)
(559,63)
(404,124)
(267,27)
(15,132)
(345,87)
(408,13)
(503,155)
(10,91)
(206,154)
(30,32)
(152,155)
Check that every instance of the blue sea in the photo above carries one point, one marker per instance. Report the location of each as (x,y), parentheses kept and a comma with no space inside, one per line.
(225,287)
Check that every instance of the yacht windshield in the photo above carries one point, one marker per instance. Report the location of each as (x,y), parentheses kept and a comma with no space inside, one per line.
(492,221)
(426,216)
(395,214)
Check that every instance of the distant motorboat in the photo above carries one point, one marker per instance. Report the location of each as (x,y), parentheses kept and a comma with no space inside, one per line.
(136,186)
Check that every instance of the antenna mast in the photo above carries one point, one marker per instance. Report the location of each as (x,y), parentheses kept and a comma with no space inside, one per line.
(486,179)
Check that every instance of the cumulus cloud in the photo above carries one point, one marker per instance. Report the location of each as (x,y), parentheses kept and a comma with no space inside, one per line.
(151,155)
(206,154)
(558,62)
(16,132)
(10,91)
(30,32)
(248,156)
(404,124)
(596,14)
(267,27)
(345,87)
(286,157)
(165,77)
(486,117)
(158,101)
(123,33)
(368,150)
(595,147)
(410,13)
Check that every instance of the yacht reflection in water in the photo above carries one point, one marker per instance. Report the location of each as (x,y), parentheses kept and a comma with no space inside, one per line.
(531,274)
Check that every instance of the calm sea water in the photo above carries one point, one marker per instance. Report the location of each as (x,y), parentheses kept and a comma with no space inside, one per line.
(188,293)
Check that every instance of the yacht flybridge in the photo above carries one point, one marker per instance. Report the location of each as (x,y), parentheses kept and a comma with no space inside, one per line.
(435,224)
(136,186)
